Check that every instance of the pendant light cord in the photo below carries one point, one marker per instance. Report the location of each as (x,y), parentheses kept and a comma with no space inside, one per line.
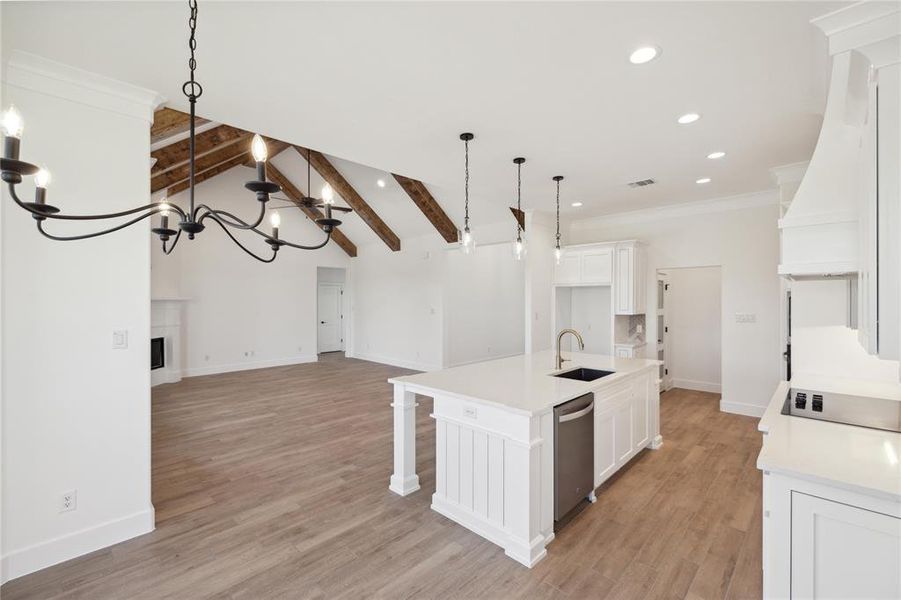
(466,185)
(518,200)
(558,213)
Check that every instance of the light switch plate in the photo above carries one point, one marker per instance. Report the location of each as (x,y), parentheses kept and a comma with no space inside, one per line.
(120,339)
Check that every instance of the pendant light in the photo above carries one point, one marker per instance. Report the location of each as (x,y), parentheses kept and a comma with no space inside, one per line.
(519,246)
(558,252)
(467,243)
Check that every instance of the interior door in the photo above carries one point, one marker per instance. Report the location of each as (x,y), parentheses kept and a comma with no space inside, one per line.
(331,319)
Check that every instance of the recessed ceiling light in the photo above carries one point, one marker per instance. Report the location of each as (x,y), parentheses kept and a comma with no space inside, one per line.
(703,180)
(576,204)
(689,118)
(644,54)
(380,183)
(716,155)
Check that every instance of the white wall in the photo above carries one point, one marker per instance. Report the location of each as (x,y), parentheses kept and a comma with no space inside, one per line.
(591,312)
(695,321)
(76,413)
(740,236)
(484,305)
(241,313)
(428,306)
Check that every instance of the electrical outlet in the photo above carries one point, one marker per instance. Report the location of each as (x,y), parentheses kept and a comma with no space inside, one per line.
(470,412)
(68,501)
(745,318)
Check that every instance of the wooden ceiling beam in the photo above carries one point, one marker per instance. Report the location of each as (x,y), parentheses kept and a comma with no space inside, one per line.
(207,161)
(177,154)
(239,159)
(343,188)
(168,122)
(296,196)
(421,197)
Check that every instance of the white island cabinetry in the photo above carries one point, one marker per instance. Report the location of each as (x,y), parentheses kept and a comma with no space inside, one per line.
(494,440)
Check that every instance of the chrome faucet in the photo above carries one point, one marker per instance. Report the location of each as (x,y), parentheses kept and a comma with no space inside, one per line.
(560,335)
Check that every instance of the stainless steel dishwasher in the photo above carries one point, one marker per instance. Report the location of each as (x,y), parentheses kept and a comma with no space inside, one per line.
(573,455)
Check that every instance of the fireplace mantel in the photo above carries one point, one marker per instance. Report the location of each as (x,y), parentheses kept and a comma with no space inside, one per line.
(166,322)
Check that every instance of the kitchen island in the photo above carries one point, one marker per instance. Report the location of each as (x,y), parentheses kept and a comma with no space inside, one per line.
(494,438)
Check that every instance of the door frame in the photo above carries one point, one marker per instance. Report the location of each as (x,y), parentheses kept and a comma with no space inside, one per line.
(342,309)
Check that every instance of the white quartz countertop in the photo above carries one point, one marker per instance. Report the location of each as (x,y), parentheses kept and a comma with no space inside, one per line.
(856,458)
(524,383)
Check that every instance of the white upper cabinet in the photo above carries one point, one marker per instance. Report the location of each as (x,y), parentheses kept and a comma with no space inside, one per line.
(585,265)
(630,285)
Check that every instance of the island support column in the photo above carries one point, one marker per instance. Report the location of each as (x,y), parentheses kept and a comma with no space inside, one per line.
(404,480)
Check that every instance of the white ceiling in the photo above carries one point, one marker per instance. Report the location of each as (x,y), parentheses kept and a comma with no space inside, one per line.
(391,85)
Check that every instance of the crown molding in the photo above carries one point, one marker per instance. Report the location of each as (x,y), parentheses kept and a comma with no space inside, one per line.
(686,209)
(872,28)
(791,173)
(45,76)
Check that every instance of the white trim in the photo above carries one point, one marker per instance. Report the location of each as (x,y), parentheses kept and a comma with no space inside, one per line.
(483,359)
(250,366)
(685,209)
(872,28)
(38,74)
(75,544)
(397,362)
(740,408)
(698,386)
(790,173)
(823,218)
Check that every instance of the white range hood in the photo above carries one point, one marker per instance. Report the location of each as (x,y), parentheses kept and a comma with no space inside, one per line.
(820,229)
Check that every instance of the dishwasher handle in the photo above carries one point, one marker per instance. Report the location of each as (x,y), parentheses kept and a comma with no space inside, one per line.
(578,414)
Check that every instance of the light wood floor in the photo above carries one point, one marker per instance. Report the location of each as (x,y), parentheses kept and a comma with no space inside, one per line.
(273,484)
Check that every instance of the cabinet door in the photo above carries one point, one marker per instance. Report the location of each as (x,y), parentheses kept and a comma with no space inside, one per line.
(568,269)
(624,285)
(640,414)
(604,446)
(597,266)
(841,551)
(622,425)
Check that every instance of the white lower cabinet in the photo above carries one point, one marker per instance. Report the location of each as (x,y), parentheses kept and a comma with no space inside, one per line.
(821,541)
(841,551)
(621,426)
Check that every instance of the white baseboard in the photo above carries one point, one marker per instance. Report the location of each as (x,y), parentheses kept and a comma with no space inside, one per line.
(249,366)
(698,386)
(740,408)
(398,362)
(66,547)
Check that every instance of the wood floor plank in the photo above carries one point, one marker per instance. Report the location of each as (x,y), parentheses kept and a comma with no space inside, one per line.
(273,484)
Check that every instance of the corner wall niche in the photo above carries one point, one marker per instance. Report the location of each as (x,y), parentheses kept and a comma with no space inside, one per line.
(165,322)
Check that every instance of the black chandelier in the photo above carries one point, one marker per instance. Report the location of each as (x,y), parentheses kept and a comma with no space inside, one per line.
(191,221)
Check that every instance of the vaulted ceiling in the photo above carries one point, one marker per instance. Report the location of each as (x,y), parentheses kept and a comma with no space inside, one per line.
(391,85)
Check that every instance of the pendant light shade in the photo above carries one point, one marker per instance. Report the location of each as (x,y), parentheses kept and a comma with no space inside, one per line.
(467,242)
(519,244)
(558,251)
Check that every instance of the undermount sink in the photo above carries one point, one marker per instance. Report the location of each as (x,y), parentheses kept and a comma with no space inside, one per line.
(583,374)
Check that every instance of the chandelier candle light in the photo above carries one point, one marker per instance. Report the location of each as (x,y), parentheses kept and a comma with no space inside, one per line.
(558,252)
(192,220)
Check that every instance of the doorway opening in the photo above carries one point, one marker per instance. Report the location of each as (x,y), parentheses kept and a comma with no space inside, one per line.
(330,309)
(689,328)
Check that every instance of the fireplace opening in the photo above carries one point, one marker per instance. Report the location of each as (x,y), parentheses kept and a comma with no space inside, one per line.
(157,353)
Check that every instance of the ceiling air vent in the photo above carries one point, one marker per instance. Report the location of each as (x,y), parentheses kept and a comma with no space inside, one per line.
(641,183)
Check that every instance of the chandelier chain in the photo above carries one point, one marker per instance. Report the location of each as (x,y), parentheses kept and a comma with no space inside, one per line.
(518,200)
(192,89)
